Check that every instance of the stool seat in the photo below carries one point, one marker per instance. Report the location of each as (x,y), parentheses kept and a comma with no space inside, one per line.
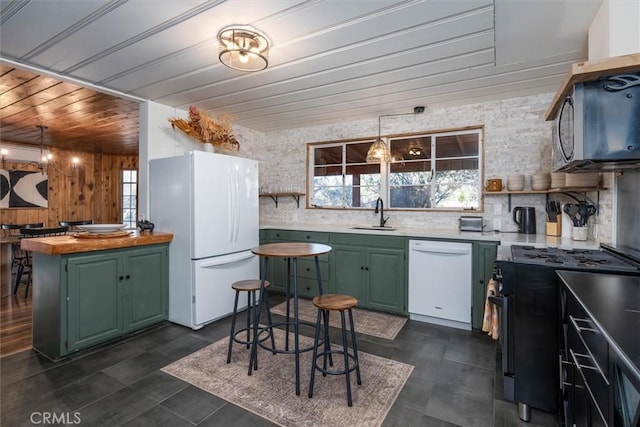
(335,302)
(325,304)
(249,285)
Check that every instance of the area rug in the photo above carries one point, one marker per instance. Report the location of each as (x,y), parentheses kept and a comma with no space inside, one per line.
(270,391)
(367,322)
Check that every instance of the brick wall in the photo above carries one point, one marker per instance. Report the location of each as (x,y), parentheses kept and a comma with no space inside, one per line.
(517,140)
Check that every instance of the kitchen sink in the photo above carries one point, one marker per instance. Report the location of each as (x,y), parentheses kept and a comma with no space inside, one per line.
(374,227)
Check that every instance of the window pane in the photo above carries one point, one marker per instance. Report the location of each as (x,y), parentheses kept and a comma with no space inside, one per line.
(357,152)
(457,188)
(412,148)
(327,155)
(129,198)
(458,145)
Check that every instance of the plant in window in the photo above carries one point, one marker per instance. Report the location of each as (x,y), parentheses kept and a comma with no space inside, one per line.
(215,129)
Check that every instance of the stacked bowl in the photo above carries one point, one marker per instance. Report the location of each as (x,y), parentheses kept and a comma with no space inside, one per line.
(558,179)
(590,179)
(540,181)
(515,182)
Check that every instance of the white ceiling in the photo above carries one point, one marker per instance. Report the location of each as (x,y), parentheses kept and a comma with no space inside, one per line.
(331,60)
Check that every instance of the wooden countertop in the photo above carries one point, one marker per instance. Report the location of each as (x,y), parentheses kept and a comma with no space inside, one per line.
(68,244)
(582,72)
(291,249)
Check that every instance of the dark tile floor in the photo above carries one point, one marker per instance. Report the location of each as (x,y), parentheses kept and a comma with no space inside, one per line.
(453,383)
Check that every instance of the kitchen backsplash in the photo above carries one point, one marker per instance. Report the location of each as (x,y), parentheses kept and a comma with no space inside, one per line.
(517,141)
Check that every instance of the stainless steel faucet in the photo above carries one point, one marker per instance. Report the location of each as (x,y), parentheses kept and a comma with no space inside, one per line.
(380,204)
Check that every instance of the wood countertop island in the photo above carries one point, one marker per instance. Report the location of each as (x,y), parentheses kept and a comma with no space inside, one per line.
(89,290)
(68,244)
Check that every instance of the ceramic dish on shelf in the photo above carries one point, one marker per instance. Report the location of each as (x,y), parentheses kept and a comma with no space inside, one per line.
(100,228)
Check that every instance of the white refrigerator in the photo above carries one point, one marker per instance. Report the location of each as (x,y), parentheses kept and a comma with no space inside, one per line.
(210,204)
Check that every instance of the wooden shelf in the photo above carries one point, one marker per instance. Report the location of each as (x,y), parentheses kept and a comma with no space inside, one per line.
(274,196)
(550,190)
(564,190)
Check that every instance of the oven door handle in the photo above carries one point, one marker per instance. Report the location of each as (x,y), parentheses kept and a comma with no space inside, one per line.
(496,300)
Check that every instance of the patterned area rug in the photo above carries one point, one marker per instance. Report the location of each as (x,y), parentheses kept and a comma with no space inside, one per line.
(270,391)
(367,322)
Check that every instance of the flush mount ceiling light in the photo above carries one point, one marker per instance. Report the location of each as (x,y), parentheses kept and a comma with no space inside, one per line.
(243,49)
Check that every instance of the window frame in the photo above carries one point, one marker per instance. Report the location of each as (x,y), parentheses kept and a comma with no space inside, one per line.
(385,168)
(132,224)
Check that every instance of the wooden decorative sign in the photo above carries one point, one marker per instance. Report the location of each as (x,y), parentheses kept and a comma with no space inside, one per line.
(23,189)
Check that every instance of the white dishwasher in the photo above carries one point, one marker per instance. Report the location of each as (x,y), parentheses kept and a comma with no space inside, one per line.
(440,282)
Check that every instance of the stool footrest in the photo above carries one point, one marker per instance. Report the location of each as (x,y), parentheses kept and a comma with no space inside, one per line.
(353,363)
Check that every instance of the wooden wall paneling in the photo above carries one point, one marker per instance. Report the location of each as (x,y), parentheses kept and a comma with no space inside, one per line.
(93,193)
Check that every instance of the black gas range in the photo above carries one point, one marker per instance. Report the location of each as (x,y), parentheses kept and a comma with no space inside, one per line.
(529,316)
(583,259)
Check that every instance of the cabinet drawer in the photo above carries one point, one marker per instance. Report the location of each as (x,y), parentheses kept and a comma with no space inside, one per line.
(307,268)
(296,236)
(369,240)
(309,287)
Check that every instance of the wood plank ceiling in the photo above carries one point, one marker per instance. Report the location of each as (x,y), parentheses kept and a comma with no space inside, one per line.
(330,61)
(77,118)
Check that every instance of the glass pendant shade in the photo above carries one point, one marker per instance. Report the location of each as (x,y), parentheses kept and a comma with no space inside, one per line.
(378,152)
(243,49)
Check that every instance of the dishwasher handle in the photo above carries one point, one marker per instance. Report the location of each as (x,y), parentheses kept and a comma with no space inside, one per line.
(439,248)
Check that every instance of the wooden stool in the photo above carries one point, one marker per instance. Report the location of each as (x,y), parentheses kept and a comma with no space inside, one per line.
(249,286)
(325,304)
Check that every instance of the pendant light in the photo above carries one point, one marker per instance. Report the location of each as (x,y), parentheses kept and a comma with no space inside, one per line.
(379,151)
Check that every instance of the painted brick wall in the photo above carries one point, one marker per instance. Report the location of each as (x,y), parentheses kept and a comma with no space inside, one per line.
(517,140)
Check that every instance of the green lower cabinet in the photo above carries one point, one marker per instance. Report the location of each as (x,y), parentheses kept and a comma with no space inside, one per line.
(94,296)
(385,278)
(90,298)
(484,258)
(375,276)
(144,289)
(347,272)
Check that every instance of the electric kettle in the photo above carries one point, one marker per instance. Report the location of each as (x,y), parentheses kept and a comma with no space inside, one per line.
(525,217)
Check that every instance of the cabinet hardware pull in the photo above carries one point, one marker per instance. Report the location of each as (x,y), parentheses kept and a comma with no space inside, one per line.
(127,277)
(120,278)
(579,330)
(575,320)
(579,367)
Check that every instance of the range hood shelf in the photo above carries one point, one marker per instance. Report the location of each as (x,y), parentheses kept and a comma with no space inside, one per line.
(582,72)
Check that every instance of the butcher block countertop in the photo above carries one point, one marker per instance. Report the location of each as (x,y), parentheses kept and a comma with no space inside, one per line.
(67,244)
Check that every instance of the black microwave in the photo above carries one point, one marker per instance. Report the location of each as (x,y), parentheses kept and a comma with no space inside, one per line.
(598,126)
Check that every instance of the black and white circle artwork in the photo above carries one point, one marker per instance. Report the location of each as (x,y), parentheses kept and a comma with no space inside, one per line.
(23,189)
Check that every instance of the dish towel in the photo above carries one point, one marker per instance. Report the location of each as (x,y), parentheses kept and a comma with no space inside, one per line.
(490,323)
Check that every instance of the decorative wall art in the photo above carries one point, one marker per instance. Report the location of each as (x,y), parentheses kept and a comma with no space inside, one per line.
(23,189)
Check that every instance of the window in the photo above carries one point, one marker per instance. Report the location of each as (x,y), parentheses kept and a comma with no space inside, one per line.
(129,197)
(439,170)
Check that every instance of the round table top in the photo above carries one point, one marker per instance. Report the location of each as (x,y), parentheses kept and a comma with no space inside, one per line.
(291,249)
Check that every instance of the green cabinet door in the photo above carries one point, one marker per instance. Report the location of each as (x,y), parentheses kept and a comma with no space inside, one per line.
(347,272)
(384,272)
(484,258)
(145,287)
(93,299)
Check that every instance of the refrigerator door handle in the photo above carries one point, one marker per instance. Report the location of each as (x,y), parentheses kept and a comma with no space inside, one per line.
(236,206)
(230,209)
(229,259)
